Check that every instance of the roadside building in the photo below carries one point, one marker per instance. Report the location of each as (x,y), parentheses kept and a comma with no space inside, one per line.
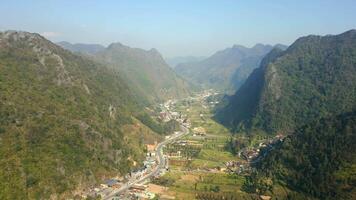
(138,187)
(110,183)
(151,149)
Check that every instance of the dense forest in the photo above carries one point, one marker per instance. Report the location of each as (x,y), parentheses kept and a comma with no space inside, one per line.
(317,161)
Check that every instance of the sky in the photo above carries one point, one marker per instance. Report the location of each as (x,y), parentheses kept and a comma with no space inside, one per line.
(178,28)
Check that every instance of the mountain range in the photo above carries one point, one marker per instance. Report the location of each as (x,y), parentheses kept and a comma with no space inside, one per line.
(72,115)
(225,70)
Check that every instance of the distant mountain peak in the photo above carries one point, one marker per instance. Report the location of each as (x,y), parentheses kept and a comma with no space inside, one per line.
(116,45)
(280,46)
(351,32)
(153,50)
(259,45)
(146,70)
(238,46)
(81,47)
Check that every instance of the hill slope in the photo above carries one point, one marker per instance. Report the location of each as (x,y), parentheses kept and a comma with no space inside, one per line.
(314,77)
(61,117)
(145,71)
(317,161)
(226,69)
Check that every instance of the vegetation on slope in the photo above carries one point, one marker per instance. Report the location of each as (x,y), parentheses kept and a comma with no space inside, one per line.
(158,126)
(317,161)
(145,72)
(60,119)
(313,78)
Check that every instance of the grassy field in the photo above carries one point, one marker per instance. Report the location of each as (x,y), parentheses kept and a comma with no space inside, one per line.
(186,185)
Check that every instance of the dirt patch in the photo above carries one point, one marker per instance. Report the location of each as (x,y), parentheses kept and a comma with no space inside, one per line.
(157,189)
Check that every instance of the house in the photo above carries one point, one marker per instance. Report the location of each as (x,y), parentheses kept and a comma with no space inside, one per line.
(250,154)
(151,149)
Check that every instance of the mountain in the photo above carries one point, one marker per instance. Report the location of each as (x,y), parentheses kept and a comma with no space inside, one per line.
(146,72)
(66,122)
(82,48)
(226,69)
(313,78)
(174,61)
(317,161)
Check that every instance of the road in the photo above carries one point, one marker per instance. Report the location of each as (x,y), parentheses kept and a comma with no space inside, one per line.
(156,170)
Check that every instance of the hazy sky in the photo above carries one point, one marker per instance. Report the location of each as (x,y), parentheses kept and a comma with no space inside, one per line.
(179,28)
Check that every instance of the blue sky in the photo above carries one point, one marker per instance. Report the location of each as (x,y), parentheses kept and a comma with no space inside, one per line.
(179,28)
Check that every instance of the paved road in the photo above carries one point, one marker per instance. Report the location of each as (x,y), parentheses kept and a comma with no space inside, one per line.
(156,170)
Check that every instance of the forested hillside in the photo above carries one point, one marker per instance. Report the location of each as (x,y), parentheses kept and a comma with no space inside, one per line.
(145,72)
(61,120)
(317,161)
(313,78)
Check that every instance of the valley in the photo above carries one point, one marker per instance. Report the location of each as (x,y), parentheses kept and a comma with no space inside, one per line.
(193,163)
(172,100)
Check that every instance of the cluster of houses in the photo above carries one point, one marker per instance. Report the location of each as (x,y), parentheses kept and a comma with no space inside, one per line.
(167,114)
(250,154)
(237,167)
(202,97)
(104,188)
(139,191)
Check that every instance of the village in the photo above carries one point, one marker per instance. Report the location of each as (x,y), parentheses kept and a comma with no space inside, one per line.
(137,181)
(200,148)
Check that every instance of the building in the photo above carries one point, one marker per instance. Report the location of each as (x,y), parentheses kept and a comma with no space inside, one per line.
(110,183)
(138,187)
(151,149)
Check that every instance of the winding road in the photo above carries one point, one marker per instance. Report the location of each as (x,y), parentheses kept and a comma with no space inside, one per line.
(161,165)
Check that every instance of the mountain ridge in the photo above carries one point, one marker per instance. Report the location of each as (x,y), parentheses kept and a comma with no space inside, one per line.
(314,70)
(62,118)
(146,71)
